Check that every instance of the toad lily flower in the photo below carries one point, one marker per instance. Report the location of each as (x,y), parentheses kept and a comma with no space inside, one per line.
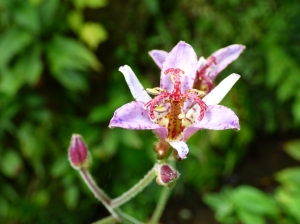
(207,69)
(177,111)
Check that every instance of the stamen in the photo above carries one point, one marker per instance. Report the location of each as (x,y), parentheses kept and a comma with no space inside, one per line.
(181,116)
(160,109)
(153,91)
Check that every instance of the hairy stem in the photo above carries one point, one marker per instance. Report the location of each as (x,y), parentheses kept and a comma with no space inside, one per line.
(135,189)
(98,193)
(161,203)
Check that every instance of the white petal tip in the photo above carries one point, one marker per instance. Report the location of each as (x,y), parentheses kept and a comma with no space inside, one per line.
(181,148)
(124,67)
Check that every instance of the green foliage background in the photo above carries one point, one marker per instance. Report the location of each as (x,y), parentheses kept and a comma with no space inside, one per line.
(59,63)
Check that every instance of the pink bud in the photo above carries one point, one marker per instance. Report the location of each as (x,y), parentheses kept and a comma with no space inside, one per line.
(78,154)
(166,175)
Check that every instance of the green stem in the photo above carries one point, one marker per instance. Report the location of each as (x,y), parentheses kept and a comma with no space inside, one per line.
(166,191)
(98,193)
(160,205)
(127,219)
(135,189)
(107,220)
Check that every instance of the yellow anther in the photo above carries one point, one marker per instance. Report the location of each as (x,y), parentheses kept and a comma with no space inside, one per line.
(181,116)
(204,87)
(201,93)
(153,91)
(172,78)
(160,109)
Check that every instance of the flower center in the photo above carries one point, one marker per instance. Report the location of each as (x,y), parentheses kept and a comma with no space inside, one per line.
(175,110)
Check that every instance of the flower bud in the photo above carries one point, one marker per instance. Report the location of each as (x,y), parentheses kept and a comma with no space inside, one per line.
(166,175)
(78,154)
(161,148)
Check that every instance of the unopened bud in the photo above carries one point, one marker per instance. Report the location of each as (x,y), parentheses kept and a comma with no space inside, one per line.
(78,154)
(166,175)
(161,148)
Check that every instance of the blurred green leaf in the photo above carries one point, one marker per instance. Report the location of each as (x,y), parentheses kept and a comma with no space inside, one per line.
(27,16)
(289,177)
(12,41)
(72,80)
(89,3)
(250,218)
(221,204)
(27,69)
(4,207)
(48,11)
(71,196)
(290,201)
(293,149)
(131,139)
(29,142)
(60,167)
(10,84)
(104,112)
(93,34)
(254,201)
(75,20)
(296,109)
(65,53)
(42,198)
(11,163)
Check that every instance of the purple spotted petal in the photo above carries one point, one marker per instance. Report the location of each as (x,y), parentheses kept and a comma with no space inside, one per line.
(182,56)
(217,94)
(132,116)
(217,117)
(158,57)
(136,88)
(181,147)
(224,57)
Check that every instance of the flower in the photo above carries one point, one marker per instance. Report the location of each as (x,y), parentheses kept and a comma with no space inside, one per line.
(177,111)
(207,69)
